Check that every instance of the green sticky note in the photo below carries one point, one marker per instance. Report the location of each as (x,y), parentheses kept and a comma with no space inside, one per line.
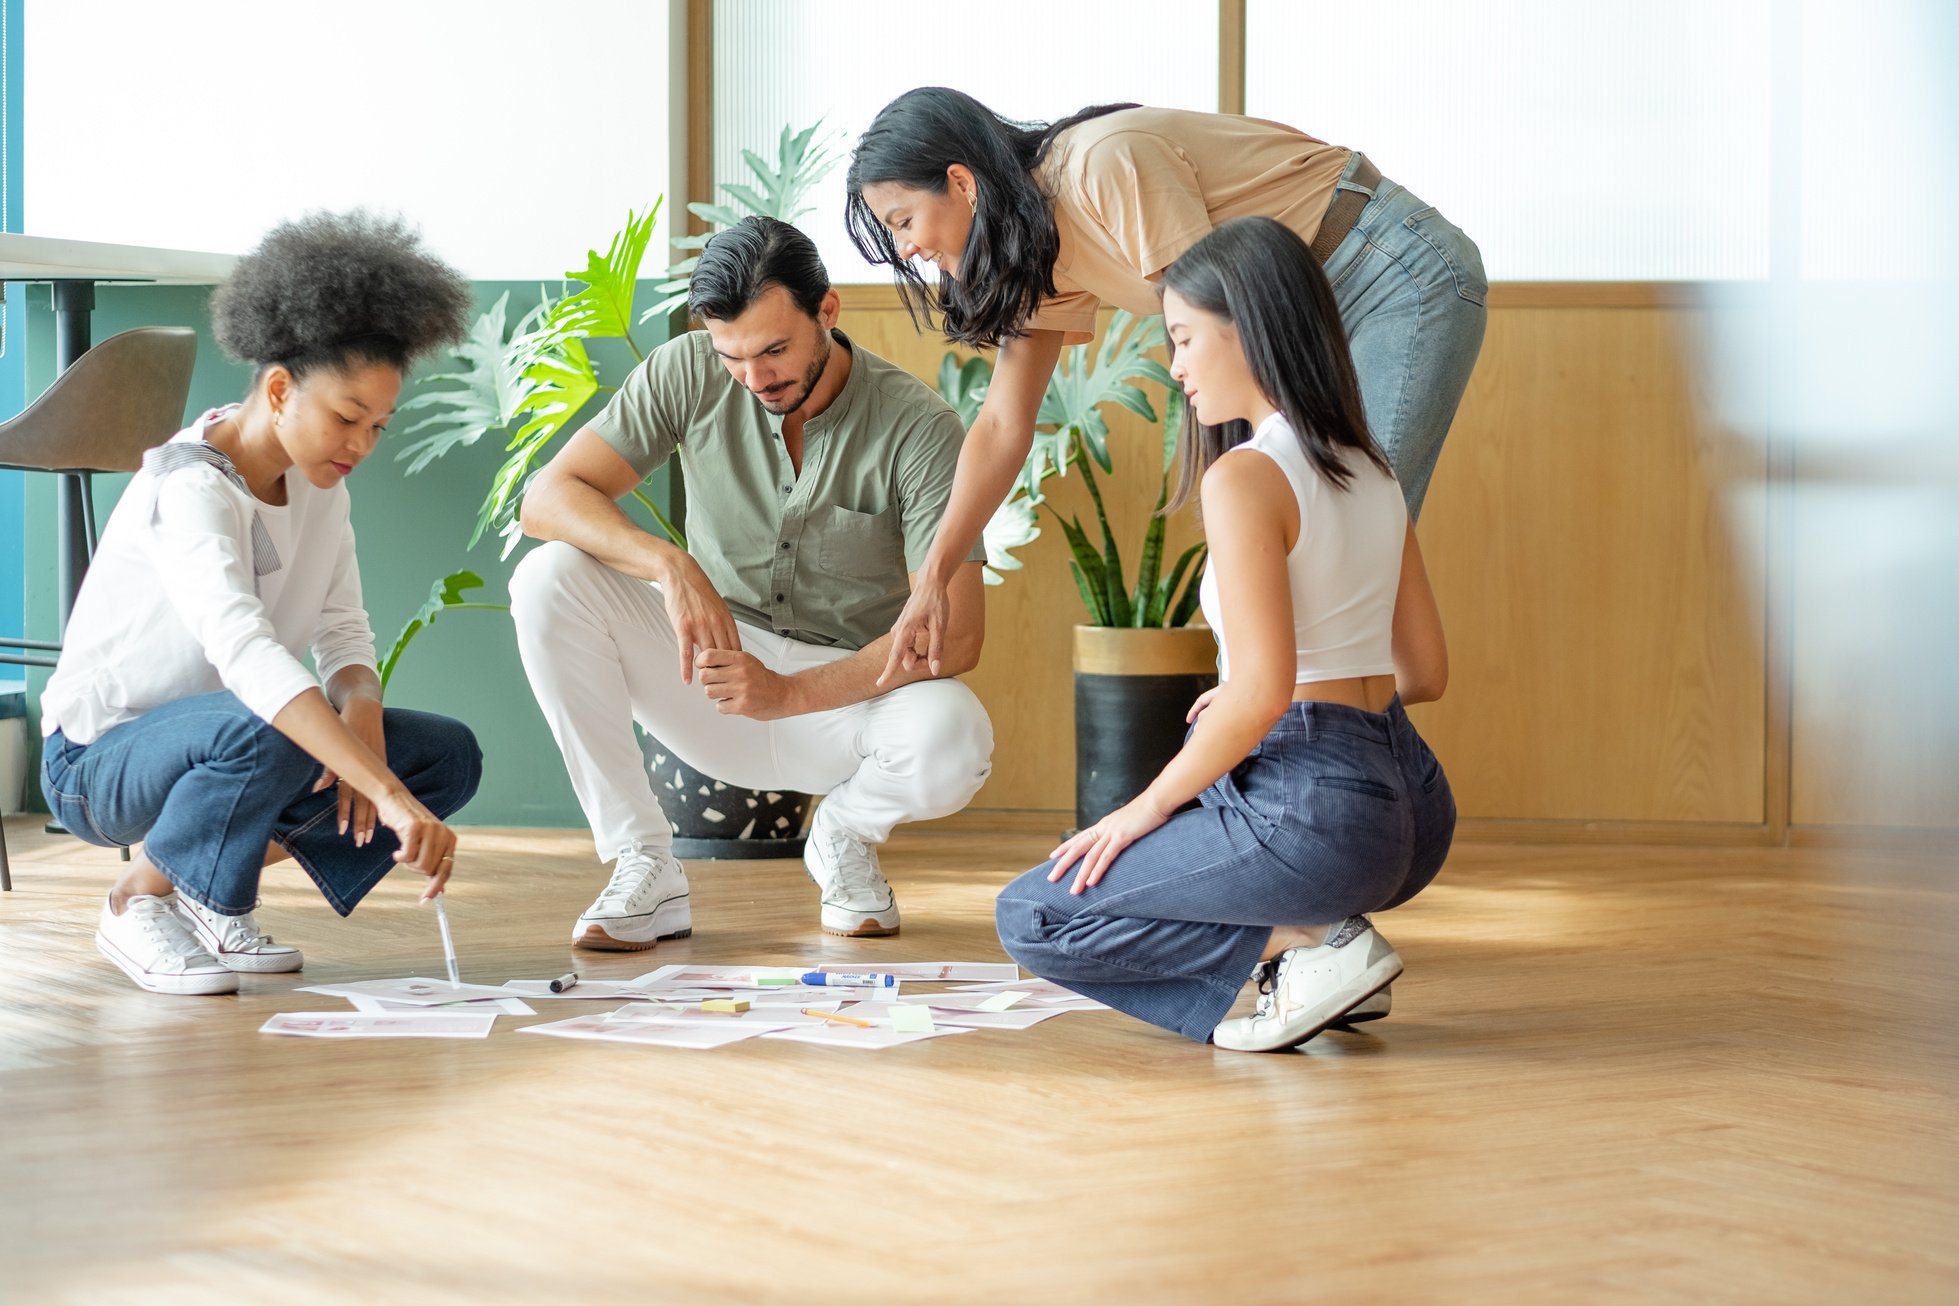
(775,981)
(1001,1001)
(908,1018)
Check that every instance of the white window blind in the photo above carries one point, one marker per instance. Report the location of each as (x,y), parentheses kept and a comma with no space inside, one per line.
(790,62)
(1608,140)
(515,134)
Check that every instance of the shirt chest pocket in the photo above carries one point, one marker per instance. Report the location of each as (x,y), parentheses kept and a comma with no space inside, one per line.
(863,546)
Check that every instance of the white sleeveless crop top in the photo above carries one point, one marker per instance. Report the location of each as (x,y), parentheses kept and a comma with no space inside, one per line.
(1345,569)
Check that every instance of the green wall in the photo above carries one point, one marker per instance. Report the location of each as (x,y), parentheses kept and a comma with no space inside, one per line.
(411,531)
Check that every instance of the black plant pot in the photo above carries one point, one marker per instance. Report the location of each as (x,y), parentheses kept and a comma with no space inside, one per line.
(1132,690)
(716,820)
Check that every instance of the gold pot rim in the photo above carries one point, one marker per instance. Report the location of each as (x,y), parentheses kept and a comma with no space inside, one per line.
(1146,651)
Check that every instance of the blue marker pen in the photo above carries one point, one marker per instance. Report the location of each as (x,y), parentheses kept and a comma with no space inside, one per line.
(859,980)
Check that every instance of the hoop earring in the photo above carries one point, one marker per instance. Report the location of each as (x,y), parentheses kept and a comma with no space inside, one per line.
(972,200)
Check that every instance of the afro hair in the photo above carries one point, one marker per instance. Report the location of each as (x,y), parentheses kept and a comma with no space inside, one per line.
(332,288)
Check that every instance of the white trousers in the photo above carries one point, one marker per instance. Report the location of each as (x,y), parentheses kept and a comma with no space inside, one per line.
(600,654)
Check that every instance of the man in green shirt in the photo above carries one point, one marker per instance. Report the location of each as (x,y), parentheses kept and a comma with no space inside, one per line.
(816,475)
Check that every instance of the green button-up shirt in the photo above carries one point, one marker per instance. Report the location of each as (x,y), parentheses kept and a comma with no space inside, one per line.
(823,556)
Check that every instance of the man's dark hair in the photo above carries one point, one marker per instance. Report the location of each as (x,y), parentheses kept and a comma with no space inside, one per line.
(749,257)
(337,288)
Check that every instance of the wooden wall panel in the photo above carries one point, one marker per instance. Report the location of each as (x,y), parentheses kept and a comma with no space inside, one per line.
(1601,582)
(1604,604)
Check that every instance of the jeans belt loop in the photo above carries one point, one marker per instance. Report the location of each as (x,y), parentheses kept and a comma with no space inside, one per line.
(1344,212)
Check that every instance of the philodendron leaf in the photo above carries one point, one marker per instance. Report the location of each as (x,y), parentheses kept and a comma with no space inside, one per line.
(484,394)
(776,191)
(1173,425)
(719,214)
(1012,525)
(449,592)
(964,385)
(562,381)
(604,307)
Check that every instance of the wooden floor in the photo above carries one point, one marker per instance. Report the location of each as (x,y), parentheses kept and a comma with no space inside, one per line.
(1612,1074)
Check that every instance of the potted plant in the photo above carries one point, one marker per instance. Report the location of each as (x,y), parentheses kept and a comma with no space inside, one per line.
(1138,662)
(531,382)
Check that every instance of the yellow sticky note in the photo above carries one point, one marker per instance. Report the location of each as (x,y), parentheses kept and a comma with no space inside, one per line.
(909,1019)
(1001,1001)
(733,1006)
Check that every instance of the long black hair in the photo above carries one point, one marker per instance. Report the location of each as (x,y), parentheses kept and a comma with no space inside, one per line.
(1258,275)
(1007,268)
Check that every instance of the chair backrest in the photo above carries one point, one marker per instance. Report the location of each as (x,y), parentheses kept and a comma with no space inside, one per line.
(122,397)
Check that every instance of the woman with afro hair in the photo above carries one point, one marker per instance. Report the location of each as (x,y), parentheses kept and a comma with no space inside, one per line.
(181,716)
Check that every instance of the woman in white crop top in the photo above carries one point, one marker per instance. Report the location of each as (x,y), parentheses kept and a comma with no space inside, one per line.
(180,715)
(1319,801)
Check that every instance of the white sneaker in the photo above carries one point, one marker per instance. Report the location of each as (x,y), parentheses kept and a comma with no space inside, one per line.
(237,941)
(1312,988)
(857,902)
(156,949)
(1373,1008)
(645,901)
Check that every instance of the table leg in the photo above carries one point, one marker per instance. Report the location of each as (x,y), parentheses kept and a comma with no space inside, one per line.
(74,303)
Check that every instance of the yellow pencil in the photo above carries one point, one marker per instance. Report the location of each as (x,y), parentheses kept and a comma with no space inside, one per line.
(841,1020)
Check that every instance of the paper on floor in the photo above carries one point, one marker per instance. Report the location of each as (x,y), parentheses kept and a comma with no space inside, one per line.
(932,972)
(717,977)
(1040,992)
(371,1024)
(504,1006)
(698,1035)
(963,1017)
(415,992)
(831,1034)
(583,991)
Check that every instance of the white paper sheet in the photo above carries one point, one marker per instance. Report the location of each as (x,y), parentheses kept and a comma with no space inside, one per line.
(416,992)
(830,1034)
(1040,992)
(504,1006)
(698,1036)
(392,1024)
(961,1018)
(772,1017)
(962,1001)
(583,991)
(717,977)
(1018,1018)
(933,972)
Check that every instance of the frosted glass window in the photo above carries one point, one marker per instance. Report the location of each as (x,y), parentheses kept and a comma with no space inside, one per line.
(1878,138)
(780,62)
(197,124)
(1608,140)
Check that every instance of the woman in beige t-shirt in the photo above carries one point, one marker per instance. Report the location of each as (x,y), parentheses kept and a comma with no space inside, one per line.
(1033,227)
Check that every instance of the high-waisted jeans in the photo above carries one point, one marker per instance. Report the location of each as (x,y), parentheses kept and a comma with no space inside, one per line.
(1337,812)
(205,784)
(1411,291)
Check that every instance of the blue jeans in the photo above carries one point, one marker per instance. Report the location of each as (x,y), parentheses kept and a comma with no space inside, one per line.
(1411,291)
(1336,812)
(204,784)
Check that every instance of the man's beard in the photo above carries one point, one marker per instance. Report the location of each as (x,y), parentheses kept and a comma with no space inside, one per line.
(796,395)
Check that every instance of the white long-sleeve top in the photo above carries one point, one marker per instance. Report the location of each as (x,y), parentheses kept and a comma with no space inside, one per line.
(171,607)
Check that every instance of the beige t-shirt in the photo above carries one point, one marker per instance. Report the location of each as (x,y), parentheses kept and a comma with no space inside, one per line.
(1135,188)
